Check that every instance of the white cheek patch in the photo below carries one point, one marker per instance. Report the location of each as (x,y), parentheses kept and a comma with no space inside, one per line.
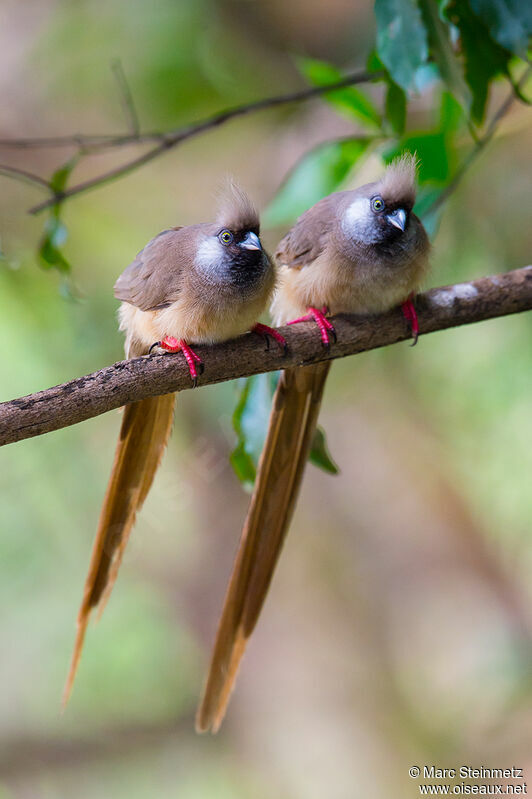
(210,257)
(358,223)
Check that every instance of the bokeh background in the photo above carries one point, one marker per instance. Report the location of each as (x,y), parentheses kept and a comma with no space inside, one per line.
(398,630)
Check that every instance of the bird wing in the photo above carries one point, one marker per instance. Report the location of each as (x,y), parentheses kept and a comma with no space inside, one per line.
(152,280)
(292,424)
(308,237)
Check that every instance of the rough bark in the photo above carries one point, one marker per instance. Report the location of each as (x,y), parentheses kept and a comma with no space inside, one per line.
(128,381)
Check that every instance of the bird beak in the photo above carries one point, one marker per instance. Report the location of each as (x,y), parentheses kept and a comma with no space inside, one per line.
(251,242)
(398,219)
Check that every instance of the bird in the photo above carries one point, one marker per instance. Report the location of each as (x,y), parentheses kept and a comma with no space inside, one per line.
(196,284)
(361,251)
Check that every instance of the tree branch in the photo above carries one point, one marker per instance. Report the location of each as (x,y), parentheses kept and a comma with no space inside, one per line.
(24,176)
(164,141)
(95,141)
(129,381)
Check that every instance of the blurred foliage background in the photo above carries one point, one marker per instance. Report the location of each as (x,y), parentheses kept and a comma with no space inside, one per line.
(398,630)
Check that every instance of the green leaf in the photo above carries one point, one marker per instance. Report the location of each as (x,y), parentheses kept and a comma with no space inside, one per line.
(318,173)
(442,50)
(396,108)
(59,180)
(349,100)
(451,114)
(484,59)
(424,208)
(374,64)
(54,236)
(401,39)
(243,466)
(508,21)
(250,423)
(432,151)
(320,455)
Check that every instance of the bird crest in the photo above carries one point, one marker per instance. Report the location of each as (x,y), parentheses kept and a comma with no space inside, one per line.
(398,184)
(235,209)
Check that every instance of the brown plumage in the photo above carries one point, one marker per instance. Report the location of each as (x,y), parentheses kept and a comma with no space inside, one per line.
(346,254)
(292,425)
(199,284)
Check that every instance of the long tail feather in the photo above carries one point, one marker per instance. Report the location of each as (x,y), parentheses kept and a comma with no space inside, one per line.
(145,429)
(292,424)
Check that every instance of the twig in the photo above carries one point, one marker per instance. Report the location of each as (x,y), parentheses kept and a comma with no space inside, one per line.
(120,140)
(86,141)
(24,176)
(127,98)
(170,140)
(129,381)
(165,141)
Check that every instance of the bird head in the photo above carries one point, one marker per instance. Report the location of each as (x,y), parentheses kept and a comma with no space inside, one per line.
(380,212)
(232,243)
(238,225)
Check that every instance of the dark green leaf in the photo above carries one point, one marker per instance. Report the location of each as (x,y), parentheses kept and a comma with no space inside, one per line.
(243,466)
(426,196)
(443,53)
(427,212)
(250,422)
(317,174)
(349,100)
(508,21)
(60,177)
(401,39)
(396,108)
(320,455)
(450,114)
(374,64)
(54,236)
(484,59)
(432,152)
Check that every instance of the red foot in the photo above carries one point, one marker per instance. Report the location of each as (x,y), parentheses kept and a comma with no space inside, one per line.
(265,331)
(409,313)
(326,328)
(171,344)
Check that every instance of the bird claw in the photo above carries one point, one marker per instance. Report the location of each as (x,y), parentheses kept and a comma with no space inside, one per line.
(325,327)
(265,332)
(409,313)
(194,362)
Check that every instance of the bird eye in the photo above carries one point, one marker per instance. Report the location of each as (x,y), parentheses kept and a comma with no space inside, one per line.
(377,204)
(226,237)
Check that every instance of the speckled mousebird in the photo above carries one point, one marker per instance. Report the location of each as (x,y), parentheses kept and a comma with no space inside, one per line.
(190,285)
(361,251)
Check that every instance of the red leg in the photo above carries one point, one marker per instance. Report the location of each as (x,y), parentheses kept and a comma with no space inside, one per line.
(171,344)
(266,331)
(325,327)
(409,313)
